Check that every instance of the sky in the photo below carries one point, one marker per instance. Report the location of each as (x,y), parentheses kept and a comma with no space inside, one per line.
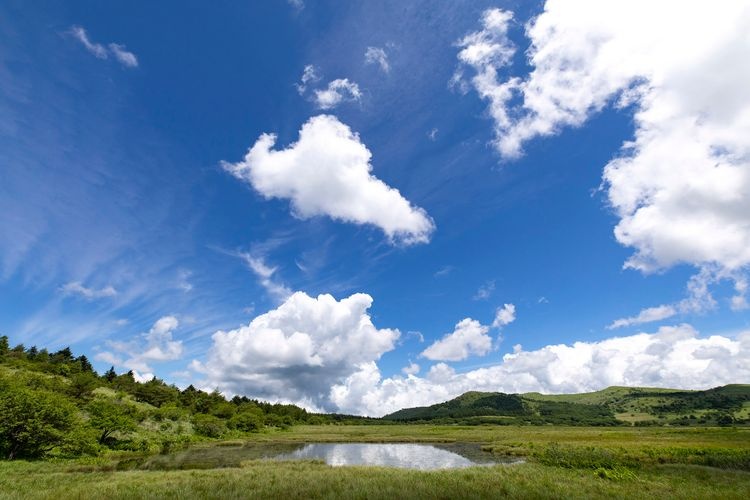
(363,206)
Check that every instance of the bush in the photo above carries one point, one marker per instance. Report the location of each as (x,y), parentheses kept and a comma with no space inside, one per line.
(246,421)
(32,422)
(208,425)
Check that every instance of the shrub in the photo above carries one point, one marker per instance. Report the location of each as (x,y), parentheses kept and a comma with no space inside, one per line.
(32,422)
(208,425)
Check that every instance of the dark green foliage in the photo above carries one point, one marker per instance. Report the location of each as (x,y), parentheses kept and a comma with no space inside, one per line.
(719,406)
(155,392)
(111,415)
(468,405)
(247,421)
(32,421)
(478,408)
(82,384)
(208,425)
(115,411)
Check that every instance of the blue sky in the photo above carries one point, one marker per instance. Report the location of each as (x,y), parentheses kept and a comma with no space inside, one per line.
(496,195)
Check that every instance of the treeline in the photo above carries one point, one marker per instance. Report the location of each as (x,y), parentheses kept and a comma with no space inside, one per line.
(55,403)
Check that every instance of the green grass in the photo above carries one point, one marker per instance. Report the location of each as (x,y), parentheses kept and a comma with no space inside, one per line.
(563,462)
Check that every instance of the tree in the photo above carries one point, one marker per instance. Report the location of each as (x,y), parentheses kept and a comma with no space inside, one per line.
(246,421)
(208,425)
(111,415)
(110,374)
(85,364)
(156,393)
(4,345)
(81,385)
(32,422)
(62,356)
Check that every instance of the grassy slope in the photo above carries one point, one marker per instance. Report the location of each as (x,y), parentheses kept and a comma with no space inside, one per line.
(629,404)
(257,479)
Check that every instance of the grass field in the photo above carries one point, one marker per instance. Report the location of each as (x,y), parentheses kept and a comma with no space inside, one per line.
(563,462)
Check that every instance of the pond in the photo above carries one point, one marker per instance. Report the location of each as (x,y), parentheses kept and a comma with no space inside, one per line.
(400,455)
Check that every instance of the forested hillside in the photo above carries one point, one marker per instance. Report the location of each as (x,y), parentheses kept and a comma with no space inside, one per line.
(612,406)
(55,404)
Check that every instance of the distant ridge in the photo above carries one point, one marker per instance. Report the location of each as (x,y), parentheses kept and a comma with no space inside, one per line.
(725,405)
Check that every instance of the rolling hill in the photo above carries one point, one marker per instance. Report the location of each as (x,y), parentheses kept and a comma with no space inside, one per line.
(725,405)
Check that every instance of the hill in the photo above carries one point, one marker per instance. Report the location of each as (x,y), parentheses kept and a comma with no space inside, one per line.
(56,404)
(612,406)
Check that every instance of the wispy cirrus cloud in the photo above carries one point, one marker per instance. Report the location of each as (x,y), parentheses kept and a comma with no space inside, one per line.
(117,50)
(76,288)
(378,56)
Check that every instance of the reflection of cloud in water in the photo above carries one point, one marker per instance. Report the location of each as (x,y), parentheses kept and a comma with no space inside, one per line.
(408,456)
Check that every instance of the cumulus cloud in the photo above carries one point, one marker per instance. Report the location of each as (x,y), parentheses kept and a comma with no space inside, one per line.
(410,369)
(309,75)
(298,351)
(376,55)
(486,51)
(338,91)
(469,338)
(156,345)
(77,288)
(680,186)
(328,172)
(739,300)
(674,356)
(120,53)
(504,315)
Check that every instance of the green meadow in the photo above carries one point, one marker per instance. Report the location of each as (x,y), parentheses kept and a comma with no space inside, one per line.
(561,462)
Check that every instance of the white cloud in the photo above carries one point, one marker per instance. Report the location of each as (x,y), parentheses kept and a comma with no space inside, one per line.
(739,300)
(76,288)
(328,172)
(680,186)
(485,291)
(298,351)
(376,55)
(647,315)
(410,369)
(125,57)
(338,91)
(698,300)
(95,48)
(309,75)
(157,345)
(504,315)
(443,271)
(432,134)
(297,4)
(674,357)
(265,275)
(469,338)
(485,51)
(183,280)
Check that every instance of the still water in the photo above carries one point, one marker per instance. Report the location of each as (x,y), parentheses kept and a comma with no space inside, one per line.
(400,455)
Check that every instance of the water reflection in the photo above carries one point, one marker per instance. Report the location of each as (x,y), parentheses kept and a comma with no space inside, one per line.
(403,456)
(400,455)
